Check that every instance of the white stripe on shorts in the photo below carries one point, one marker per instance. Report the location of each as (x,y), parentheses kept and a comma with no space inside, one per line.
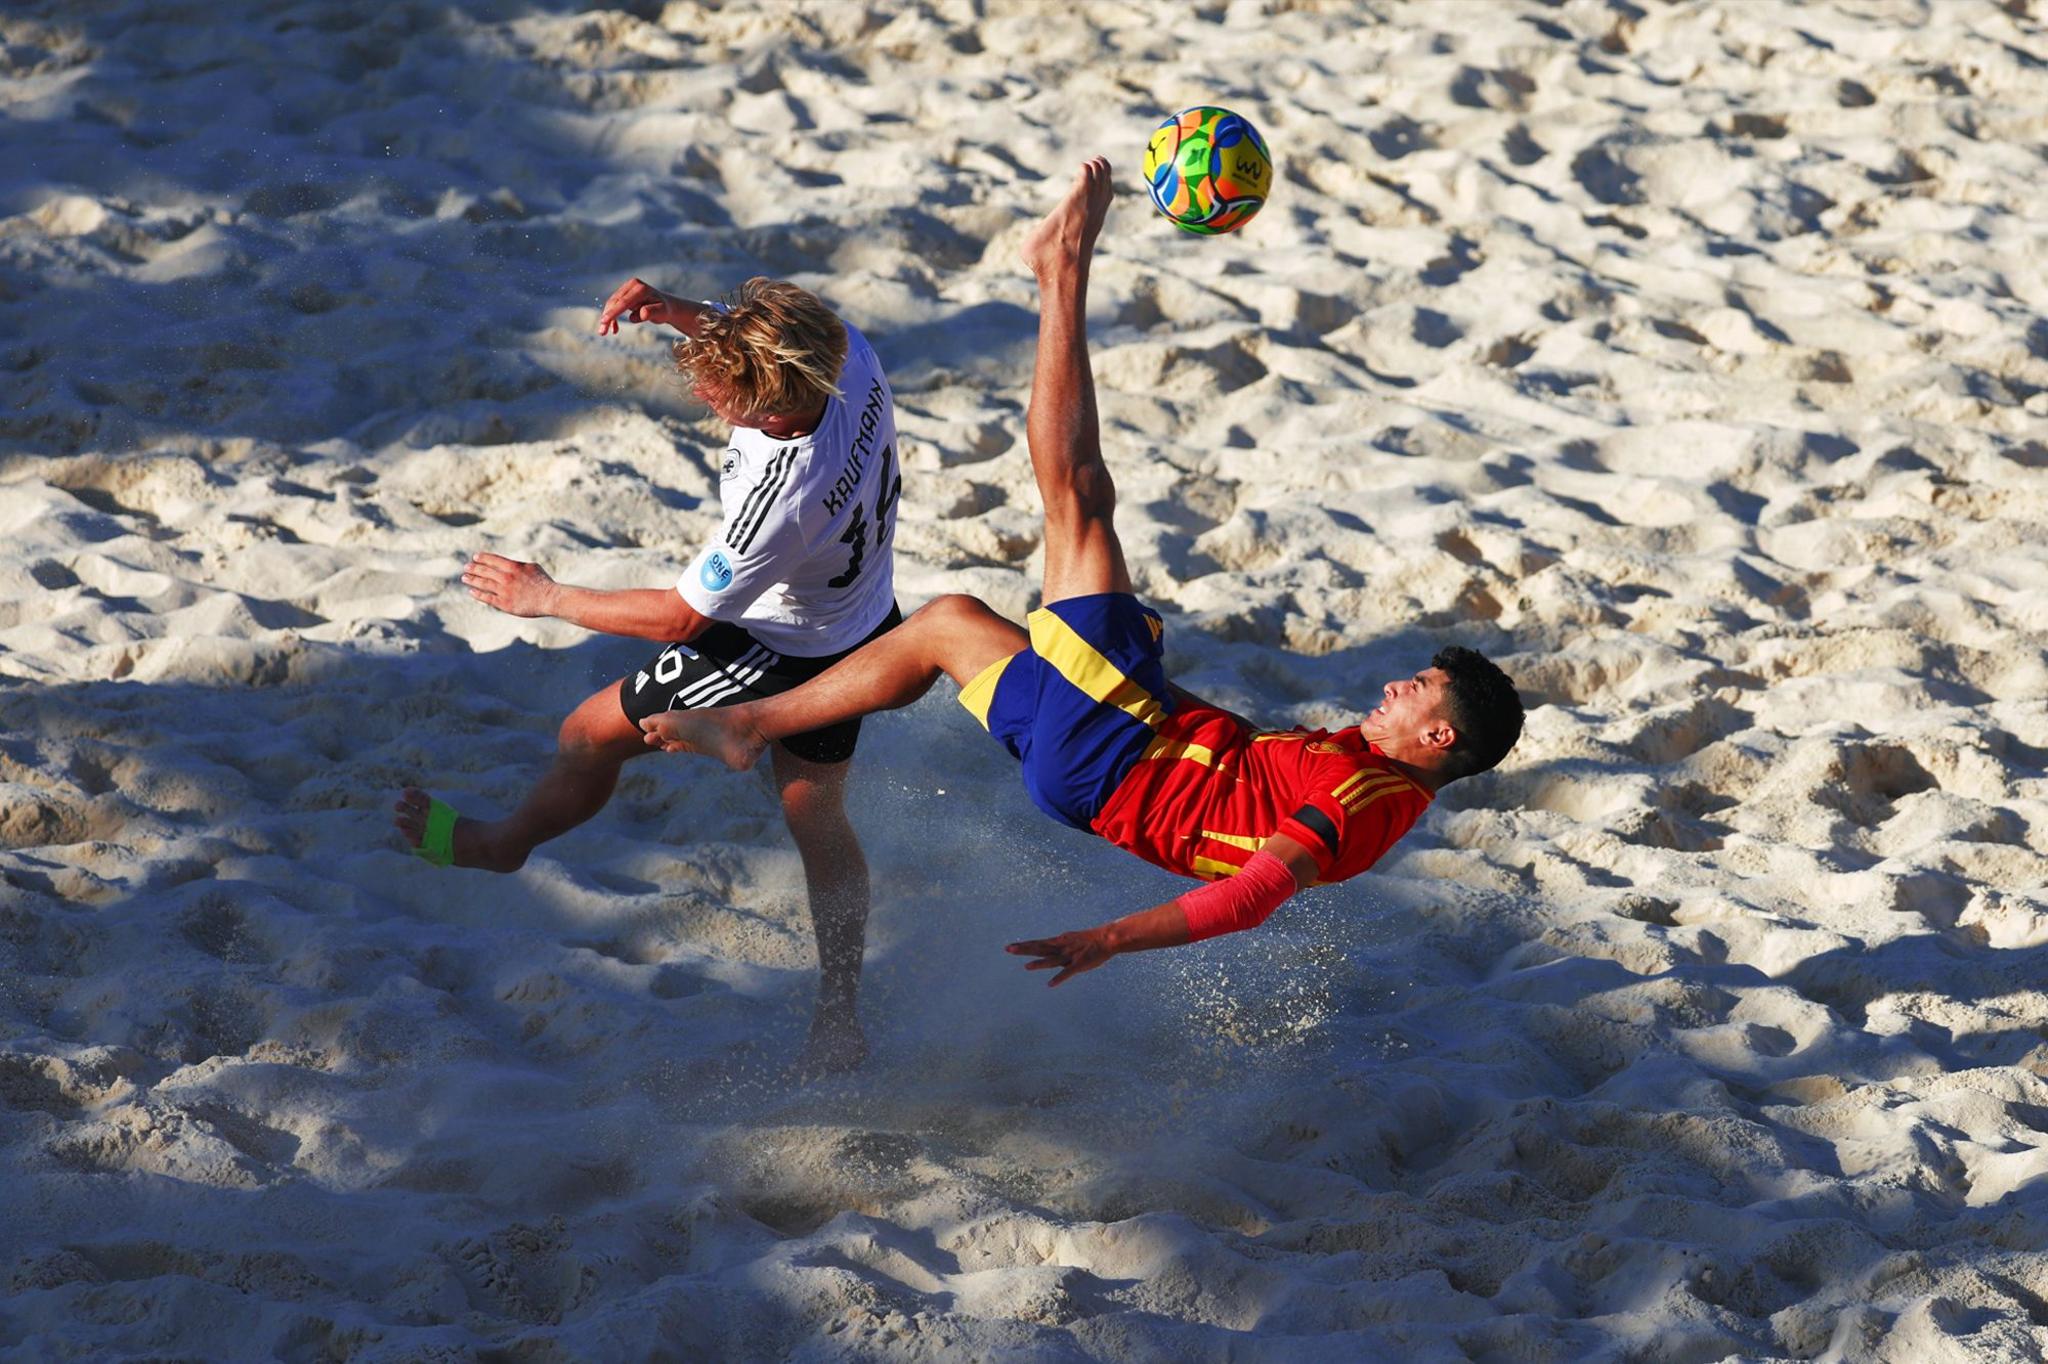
(687,698)
(693,697)
(741,672)
(715,697)
(740,681)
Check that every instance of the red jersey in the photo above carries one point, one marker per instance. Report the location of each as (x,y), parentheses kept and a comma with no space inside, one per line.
(1208,792)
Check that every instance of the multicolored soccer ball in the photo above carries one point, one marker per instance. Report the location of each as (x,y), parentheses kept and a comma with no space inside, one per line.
(1208,170)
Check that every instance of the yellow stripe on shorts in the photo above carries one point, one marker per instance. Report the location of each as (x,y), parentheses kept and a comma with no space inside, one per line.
(1236,840)
(979,694)
(1082,664)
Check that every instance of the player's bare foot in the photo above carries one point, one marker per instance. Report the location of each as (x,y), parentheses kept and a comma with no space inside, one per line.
(1066,236)
(722,734)
(836,1045)
(409,816)
(473,844)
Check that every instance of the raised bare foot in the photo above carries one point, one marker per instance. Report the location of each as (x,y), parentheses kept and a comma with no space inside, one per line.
(723,734)
(1066,235)
(836,1046)
(472,843)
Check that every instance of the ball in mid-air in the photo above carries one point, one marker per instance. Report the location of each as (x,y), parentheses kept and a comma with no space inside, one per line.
(1208,170)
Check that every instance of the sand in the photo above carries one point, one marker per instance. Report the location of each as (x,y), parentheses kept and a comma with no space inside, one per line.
(1688,358)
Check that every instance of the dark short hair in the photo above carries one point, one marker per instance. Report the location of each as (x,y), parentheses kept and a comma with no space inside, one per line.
(1484,709)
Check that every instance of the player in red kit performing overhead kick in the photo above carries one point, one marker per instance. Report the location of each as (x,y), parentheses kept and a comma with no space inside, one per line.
(1080,697)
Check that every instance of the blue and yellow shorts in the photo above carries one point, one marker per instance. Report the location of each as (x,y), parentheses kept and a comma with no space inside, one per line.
(1079,706)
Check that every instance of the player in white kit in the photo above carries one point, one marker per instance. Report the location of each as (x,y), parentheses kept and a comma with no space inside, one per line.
(800,574)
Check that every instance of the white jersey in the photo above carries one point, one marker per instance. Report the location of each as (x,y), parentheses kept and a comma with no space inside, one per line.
(806,559)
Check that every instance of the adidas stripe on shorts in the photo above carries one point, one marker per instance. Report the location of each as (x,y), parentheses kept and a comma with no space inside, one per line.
(726,665)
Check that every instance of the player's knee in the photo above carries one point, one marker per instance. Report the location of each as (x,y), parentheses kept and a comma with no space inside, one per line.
(1088,495)
(952,611)
(581,741)
(814,809)
(959,622)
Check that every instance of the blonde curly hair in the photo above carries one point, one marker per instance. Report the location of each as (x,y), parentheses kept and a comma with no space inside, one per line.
(775,351)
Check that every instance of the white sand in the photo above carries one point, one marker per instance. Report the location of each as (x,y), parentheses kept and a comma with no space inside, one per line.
(1691,360)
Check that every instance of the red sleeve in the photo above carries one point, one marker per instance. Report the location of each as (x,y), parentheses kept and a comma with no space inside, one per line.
(1348,831)
(1237,902)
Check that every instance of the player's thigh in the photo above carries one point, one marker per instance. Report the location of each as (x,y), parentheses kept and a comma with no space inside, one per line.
(599,730)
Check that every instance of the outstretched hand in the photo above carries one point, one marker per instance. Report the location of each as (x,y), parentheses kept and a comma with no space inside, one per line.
(1069,953)
(511,586)
(636,301)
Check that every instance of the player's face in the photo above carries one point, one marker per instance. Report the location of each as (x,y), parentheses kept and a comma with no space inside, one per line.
(1411,705)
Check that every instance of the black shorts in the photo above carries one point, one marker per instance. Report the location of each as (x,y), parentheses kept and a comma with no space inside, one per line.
(725,665)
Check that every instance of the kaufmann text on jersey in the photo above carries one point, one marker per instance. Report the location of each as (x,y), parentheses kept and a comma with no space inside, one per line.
(857,462)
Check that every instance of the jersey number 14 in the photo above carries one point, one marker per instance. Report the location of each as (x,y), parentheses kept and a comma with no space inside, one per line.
(888,486)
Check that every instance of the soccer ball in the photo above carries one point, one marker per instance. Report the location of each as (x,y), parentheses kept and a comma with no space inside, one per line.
(1208,170)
